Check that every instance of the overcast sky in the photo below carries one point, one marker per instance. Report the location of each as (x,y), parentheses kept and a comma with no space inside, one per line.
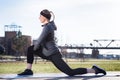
(78,21)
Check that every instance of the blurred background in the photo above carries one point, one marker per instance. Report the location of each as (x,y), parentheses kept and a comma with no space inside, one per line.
(86,28)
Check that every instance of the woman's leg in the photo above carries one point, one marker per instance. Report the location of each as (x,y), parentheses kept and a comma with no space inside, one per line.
(62,66)
(30,58)
(30,55)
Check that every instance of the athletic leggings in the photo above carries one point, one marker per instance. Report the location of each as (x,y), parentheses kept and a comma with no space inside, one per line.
(57,60)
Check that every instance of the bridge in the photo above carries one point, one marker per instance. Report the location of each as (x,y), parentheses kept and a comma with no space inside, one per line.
(100,46)
(79,47)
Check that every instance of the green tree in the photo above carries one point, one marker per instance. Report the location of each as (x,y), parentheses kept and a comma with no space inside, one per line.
(18,43)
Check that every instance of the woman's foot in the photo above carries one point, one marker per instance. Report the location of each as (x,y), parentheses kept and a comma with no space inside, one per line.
(26,72)
(98,70)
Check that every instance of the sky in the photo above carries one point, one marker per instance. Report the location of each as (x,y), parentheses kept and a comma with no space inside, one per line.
(78,22)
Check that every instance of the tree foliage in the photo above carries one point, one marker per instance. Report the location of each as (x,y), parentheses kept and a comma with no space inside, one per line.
(18,42)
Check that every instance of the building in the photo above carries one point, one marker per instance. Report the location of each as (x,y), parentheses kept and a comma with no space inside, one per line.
(12,31)
(7,43)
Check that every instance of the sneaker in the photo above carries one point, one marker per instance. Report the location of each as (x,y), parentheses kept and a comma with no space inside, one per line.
(98,70)
(26,72)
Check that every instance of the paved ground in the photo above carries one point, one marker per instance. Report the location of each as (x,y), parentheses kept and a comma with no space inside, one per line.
(62,76)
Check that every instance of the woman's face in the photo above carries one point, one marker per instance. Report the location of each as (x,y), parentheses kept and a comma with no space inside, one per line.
(42,19)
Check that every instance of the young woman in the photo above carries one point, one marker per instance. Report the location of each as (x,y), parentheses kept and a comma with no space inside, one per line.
(46,48)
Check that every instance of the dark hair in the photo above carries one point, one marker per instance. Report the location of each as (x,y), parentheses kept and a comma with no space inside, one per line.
(46,13)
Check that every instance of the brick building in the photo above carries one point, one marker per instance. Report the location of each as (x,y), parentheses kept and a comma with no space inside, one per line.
(6,41)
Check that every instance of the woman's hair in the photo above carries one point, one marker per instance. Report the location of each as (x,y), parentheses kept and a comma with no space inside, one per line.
(46,13)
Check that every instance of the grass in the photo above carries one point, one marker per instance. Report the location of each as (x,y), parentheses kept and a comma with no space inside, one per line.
(48,67)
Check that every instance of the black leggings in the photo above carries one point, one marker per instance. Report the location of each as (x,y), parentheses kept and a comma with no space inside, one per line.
(57,60)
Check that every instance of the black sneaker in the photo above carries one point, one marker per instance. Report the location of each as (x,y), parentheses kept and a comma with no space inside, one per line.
(26,72)
(98,70)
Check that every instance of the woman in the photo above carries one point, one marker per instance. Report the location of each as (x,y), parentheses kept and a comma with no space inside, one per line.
(46,48)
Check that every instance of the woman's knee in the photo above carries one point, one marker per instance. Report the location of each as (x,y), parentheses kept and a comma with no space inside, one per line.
(30,48)
(70,73)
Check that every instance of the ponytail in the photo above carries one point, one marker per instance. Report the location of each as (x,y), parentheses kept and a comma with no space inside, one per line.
(52,15)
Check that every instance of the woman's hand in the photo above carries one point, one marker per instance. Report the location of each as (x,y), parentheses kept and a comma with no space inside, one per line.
(36,46)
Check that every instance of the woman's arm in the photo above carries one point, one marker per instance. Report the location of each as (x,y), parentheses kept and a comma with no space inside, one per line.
(41,37)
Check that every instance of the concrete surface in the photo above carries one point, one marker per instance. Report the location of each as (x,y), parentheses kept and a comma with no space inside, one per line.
(62,76)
